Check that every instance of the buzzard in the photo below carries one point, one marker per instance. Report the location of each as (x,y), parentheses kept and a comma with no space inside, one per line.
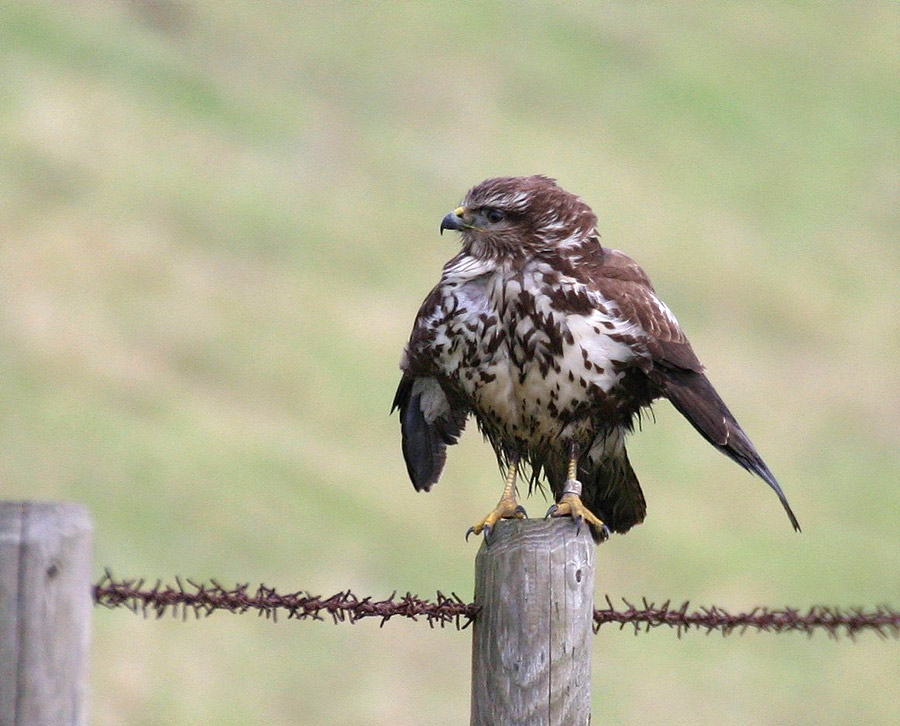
(555,345)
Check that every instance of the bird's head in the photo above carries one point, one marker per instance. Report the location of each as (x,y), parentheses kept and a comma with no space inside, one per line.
(516,217)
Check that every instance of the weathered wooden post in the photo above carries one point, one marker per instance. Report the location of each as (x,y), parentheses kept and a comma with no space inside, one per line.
(531,644)
(45,613)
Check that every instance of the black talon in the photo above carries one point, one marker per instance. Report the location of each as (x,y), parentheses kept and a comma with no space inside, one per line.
(521,510)
(471,530)
(578,521)
(550,512)
(487,531)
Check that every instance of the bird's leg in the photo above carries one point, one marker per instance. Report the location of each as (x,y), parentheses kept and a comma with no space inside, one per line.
(570,504)
(506,508)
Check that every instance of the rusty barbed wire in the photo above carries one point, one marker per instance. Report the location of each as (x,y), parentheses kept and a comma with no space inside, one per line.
(188,597)
(882,620)
(202,599)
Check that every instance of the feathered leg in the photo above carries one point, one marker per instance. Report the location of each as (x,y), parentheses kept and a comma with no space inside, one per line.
(507,508)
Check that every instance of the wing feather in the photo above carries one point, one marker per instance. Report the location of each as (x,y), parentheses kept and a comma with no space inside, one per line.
(673,366)
(428,424)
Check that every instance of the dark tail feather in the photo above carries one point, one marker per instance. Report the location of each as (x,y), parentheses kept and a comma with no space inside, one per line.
(695,398)
(611,490)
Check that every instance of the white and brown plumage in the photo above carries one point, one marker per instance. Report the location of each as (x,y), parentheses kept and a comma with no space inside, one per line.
(555,344)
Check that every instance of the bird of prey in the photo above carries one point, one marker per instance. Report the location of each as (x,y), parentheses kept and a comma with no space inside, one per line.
(554,344)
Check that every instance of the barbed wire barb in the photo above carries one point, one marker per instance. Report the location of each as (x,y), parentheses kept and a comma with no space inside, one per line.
(203,599)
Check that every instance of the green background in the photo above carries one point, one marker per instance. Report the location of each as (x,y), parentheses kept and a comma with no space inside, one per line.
(219,219)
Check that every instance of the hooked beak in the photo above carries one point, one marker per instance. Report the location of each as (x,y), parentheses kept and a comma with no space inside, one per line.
(453,220)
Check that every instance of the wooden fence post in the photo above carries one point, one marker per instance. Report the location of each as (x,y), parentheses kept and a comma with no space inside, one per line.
(45,612)
(531,643)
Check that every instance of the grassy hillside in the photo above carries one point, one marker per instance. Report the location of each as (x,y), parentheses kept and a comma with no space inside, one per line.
(218,220)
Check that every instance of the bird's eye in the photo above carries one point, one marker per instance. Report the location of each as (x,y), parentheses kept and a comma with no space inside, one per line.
(493,215)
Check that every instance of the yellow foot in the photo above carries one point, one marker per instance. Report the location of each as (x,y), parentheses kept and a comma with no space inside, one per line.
(507,508)
(570,505)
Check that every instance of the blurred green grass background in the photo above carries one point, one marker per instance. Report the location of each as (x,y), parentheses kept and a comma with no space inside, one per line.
(218,221)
